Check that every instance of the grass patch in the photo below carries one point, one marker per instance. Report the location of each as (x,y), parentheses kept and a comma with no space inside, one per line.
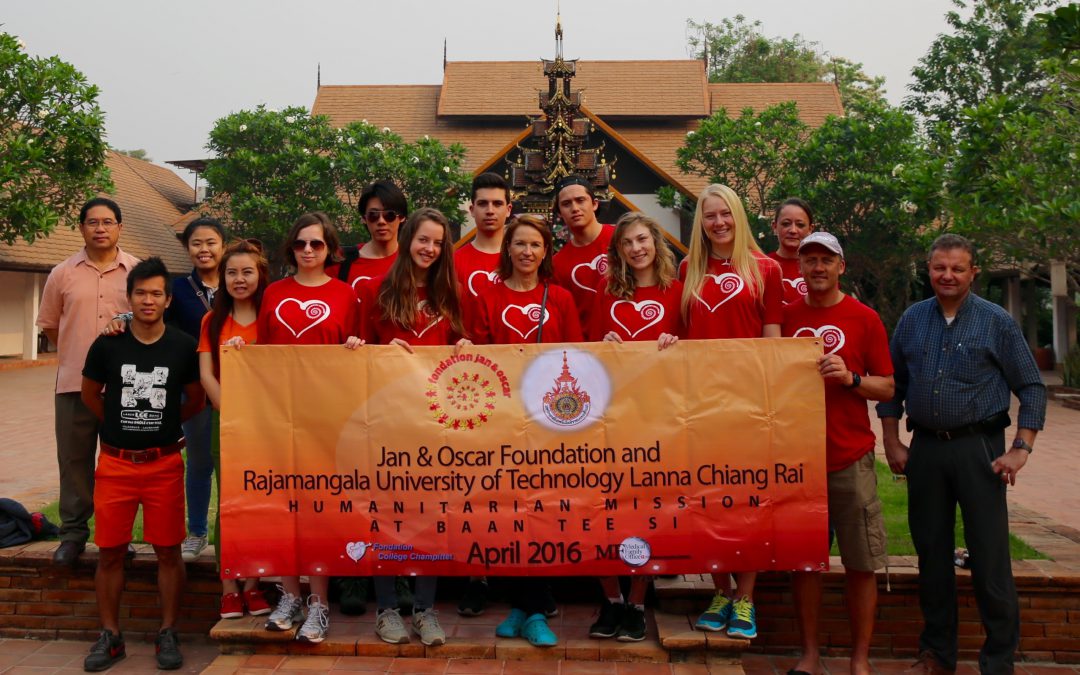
(894,498)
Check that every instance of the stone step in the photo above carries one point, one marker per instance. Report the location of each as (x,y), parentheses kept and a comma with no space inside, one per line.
(474,638)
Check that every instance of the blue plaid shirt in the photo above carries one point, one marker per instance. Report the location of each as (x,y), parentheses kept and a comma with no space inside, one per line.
(952,375)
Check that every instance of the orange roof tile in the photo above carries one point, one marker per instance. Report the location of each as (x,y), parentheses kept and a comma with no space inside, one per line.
(611,88)
(817,100)
(141,190)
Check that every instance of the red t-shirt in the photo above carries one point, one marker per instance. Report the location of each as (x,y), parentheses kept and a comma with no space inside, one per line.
(365,269)
(502,316)
(292,314)
(794,286)
(475,269)
(651,313)
(854,331)
(725,306)
(580,269)
(427,329)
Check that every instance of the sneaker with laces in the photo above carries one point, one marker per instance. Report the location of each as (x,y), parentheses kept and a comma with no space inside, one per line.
(232,606)
(717,616)
(256,603)
(192,547)
(108,649)
(318,620)
(287,613)
(611,617)
(390,628)
(743,623)
(511,625)
(633,625)
(167,650)
(474,600)
(425,623)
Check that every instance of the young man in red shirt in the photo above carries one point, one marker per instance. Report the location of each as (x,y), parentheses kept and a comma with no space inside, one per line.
(476,261)
(582,261)
(855,367)
(383,207)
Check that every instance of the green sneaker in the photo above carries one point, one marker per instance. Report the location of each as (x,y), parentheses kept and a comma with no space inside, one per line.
(717,616)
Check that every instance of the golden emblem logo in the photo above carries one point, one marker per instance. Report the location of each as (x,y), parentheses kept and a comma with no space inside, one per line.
(566,403)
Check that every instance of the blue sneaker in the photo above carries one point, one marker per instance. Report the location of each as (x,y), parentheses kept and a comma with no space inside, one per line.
(716,617)
(743,623)
(511,625)
(537,632)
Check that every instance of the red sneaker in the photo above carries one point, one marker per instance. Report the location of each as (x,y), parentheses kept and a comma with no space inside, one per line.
(232,607)
(256,603)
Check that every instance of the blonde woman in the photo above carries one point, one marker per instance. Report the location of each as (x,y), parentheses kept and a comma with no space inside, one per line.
(730,290)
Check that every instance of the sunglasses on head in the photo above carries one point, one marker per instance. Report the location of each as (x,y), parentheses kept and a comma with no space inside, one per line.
(316,245)
(389,215)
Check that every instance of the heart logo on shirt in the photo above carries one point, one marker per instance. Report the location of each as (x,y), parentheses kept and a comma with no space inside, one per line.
(425,313)
(524,320)
(300,317)
(635,317)
(832,337)
(729,283)
(798,284)
(479,280)
(358,280)
(587,275)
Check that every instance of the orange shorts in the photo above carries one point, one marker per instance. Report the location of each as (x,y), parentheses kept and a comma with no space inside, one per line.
(120,486)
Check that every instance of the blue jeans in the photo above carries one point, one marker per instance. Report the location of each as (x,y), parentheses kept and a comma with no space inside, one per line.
(200,470)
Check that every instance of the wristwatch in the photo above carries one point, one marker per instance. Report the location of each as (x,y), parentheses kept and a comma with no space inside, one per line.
(1020,444)
(856,380)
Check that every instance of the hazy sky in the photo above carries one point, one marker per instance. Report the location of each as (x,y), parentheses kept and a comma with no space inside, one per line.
(168,70)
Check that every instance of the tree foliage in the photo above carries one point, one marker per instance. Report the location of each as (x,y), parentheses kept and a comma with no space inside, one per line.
(993,52)
(871,183)
(52,151)
(271,166)
(748,153)
(736,50)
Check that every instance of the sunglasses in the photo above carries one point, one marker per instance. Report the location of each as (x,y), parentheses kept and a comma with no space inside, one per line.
(316,245)
(389,215)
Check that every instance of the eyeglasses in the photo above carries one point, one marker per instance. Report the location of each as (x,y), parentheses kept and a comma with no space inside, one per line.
(95,224)
(316,245)
(389,215)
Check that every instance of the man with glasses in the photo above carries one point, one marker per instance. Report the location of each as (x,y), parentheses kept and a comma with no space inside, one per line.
(81,295)
(383,207)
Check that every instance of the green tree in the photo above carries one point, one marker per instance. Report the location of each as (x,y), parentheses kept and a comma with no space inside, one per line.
(52,152)
(138,153)
(994,51)
(748,153)
(871,183)
(271,166)
(736,50)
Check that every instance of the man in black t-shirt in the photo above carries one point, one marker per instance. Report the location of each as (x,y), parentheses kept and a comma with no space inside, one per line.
(142,372)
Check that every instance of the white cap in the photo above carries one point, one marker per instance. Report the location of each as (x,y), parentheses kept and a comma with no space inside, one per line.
(822,239)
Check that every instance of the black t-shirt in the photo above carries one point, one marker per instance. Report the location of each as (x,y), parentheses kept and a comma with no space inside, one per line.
(143,384)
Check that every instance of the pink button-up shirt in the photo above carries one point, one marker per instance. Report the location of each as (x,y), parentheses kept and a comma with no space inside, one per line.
(78,301)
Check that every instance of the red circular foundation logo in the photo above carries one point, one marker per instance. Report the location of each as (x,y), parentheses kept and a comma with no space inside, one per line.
(462,397)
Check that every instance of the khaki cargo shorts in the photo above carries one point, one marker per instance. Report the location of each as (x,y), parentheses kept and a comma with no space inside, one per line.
(855,516)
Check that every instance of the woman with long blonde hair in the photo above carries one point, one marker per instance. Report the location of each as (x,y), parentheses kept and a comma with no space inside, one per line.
(730,290)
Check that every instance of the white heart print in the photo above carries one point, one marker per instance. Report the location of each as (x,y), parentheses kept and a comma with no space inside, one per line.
(730,284)
(356,550)
(424,312)
(798,284)
(598,265)
(649,310)
(314,311)
(529,315)
(493,277)
(832,337)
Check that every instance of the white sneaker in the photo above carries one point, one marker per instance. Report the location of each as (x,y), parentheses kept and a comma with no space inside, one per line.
(426,625)
(192,547)
(390,628)
(286,614)
(318,620)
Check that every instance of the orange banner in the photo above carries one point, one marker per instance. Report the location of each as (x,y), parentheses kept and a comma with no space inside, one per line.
(576,459)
